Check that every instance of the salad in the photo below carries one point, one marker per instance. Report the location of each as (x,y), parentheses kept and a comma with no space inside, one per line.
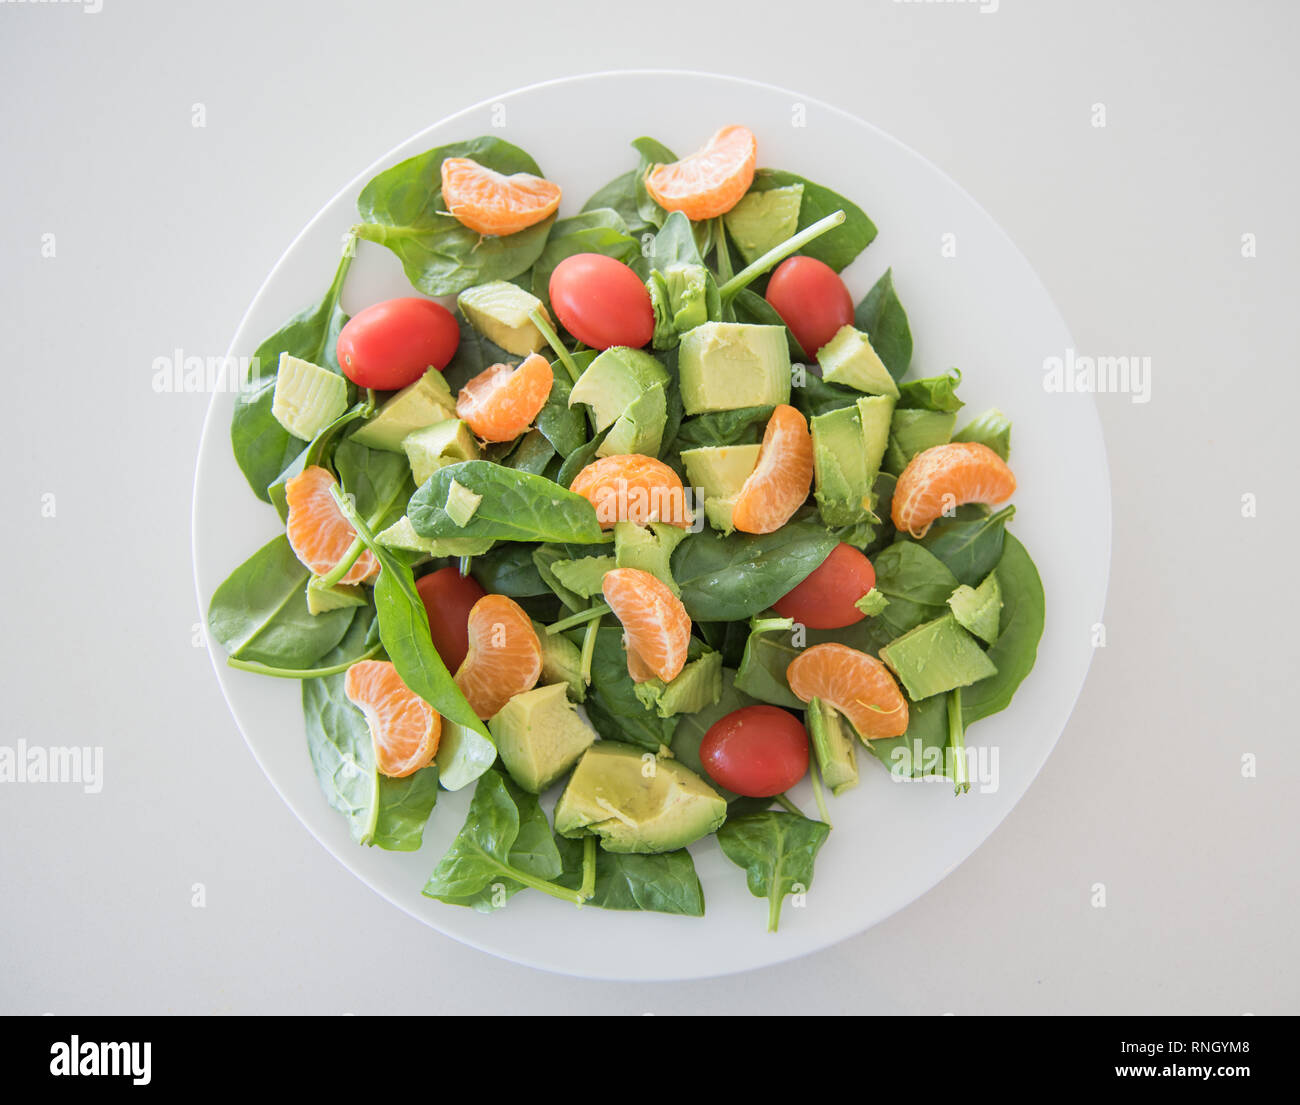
(633,510)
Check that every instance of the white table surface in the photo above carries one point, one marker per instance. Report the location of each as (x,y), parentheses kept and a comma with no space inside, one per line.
(162,233)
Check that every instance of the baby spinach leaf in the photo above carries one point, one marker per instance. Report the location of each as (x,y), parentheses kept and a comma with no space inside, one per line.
(652,153)
(918,752)
(743,426)
(815,396)
(576,461)
(515,506)
(317,452)
(837,247)
(260,612)
(532,454)
(733,577)
(473,355)
(598,230)
(620,195)
(992,428)
(379,481)
(545,557)
(565,427)
(932,393)
(402,208)
(777,851)
(881,317)
(611,703)
(749,306)
(508,569)
(263,448)
(970,544)
(665,882)
(768,653)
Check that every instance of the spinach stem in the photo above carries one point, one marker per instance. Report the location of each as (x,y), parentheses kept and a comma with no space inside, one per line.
(814,773)
(597,611)
(774,900)
(588,887)
(589,650)
(725,270)
(779,253)
(957,745)
(342,568)
(553,340)
(551,888)
(372,820)
(303,673)
(785,803)
(466,562)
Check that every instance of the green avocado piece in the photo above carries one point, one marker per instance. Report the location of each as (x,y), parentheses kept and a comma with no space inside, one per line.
(719,472)
(992,428)
(936,656)
(979,609)
(914,431)
(307,398)
(322,599)
(561,662)
(614,381)
(433,447)
(848,445)
(648,548)
(640,428)
(401,535)
(762,220)
(637,802)
(697,685)
(540,735)
(417,405)
(499,311)
(848,359)
(687,286)
(584,575)
(726,365)
(833,747)
(872,603)
(461,503)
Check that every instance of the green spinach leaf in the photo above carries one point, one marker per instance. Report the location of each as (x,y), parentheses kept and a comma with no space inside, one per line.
(932,393)
(508,569)
(881,317)
(611,703)
(600,230)
(743,426)
(970,544)
(777,851)
(838,247)
(665,882)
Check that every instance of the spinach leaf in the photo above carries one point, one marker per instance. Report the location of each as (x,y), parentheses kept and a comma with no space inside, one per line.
(576,461)
(532,454)
(992,428)
(768,653)
(402,208)
(472,356)
(652,153)
(315,453)
(916,583)
(545,557)
(733,577)
(743,426)
(379,482)
(970,544)
(565,427)
(611,703)
(837,247)
(260,612)
(515,506)
(598,230)
(815,396)
(263,448)
(913,755)
(620,195)
(932,393)
(777,851)
(508,569)
(1020,627)
(881,317)
(665,882)
(749,306)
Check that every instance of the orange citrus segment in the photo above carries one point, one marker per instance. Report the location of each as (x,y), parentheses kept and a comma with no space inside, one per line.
(501,402)
(655,623)
(493,203)
(938,480)
(711,181)
(779,483)
(857,685)
(504,658)
(404,729)
(632,488)
(317,530)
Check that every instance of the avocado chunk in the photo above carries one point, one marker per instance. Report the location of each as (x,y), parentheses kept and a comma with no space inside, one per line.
(322,599)
(726,365)
(640,428)
(649,549)
(697,685)
(848,359)
(435,446)
(307,397)
(762,220)
(417,405)
(915,431)
(979,609)
(540,735)
(614,381)
(636,802)
(992,428)
(872,603)
(848,445)
(584,575)
(720,471)
(832,745)
(561,662)
(499,311)
(401,535)
(935,657)
(461,503)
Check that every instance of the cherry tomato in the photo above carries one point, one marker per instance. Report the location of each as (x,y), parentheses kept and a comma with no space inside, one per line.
(824,600)
(812,299)
(448,596)
(393,343)
(756,751)
(601,302)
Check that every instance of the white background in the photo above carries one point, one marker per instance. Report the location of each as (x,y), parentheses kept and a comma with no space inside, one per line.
(163,231)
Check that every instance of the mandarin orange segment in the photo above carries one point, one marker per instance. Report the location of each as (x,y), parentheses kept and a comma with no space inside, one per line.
(940,479)
(501,402)
(404,729)
(858,685)
(782,477)
(712,180)
(632,488)
(493,203)
(318,533)
(656,626)
(504,658)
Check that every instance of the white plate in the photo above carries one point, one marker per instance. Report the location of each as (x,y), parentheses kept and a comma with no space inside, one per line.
(983,310)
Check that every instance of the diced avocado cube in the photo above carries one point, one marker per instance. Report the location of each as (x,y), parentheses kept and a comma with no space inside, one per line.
(417,405)
(848,444)
(992,428)
(762,220)
(307,397)
(540,735)
(979,609)
(848,359)
(636,802)
(499,311)
(614,381)
(697,685)
(640,428)
(461,503)
(914,431)
(872,603)
(719,472)
(561,662)
(583,576)
(833,747)
(401,535)
(936,656)
(436,446)
(649,549)
(726,365)
(321,599)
